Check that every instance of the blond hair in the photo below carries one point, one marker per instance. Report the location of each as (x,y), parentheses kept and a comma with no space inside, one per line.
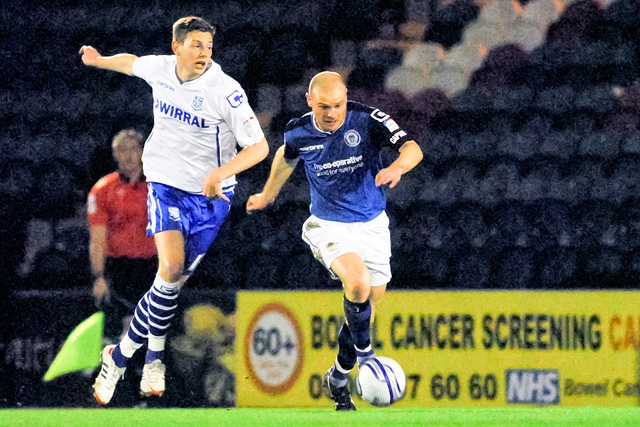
(127,134)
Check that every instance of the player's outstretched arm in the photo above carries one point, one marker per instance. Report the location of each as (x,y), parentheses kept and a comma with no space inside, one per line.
(122,62)
(281,170)
(410,156)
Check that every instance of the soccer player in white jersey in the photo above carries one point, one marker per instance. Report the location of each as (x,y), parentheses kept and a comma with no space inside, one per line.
(339,143)
(190,162)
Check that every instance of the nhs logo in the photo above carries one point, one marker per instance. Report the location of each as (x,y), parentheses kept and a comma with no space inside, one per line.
(533,386)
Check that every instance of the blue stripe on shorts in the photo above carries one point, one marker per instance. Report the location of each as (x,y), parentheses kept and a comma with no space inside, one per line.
(198,217)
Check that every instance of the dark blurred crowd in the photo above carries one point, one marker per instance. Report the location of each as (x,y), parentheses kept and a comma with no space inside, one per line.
(531,138)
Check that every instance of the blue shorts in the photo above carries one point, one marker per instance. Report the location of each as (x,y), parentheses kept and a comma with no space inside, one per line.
(198,217)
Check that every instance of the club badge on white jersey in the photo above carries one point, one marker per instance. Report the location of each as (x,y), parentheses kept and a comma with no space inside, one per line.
(197,124)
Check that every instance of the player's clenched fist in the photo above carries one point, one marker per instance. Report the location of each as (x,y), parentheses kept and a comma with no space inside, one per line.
(89,54)
(256,202)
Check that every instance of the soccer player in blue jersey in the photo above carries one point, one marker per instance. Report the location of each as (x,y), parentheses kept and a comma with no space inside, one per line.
(190,162)
(339,144)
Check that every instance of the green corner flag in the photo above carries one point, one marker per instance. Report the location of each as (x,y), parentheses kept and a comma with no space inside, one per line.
(81,350)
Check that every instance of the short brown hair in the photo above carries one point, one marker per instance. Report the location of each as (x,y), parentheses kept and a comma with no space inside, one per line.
(184,26)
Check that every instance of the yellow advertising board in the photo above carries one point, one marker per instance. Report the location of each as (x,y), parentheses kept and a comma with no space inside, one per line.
(458,349)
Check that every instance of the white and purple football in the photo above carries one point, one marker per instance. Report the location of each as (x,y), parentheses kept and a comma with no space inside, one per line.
(381,381)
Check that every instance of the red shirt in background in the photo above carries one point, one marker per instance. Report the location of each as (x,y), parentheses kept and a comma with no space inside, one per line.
(122,208)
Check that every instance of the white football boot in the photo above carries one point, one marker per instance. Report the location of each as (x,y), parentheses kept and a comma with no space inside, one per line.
(152,383)
(106,381)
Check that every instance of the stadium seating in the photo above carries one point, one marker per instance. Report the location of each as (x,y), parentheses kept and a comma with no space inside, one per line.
(530,126)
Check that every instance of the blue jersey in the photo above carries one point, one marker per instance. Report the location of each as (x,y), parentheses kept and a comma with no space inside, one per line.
(341,166)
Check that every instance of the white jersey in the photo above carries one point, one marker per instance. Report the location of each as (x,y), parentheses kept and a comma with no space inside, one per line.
(196,124)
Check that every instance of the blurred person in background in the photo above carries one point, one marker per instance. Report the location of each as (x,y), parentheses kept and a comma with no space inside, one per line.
(123,258)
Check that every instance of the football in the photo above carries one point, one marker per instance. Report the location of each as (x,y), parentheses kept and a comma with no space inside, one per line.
(381,381)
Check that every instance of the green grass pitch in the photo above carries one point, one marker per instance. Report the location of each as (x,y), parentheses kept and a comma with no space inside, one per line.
(387,417)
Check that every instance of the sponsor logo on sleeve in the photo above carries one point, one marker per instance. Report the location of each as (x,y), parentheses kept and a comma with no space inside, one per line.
(235,99)
(391,125)
(386,120)
(251,127)
(379,116)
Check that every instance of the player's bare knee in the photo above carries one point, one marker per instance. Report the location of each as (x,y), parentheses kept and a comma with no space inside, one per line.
(357,291)
(171,271)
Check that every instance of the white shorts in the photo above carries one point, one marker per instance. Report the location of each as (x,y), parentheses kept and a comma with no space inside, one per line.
(370,240)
